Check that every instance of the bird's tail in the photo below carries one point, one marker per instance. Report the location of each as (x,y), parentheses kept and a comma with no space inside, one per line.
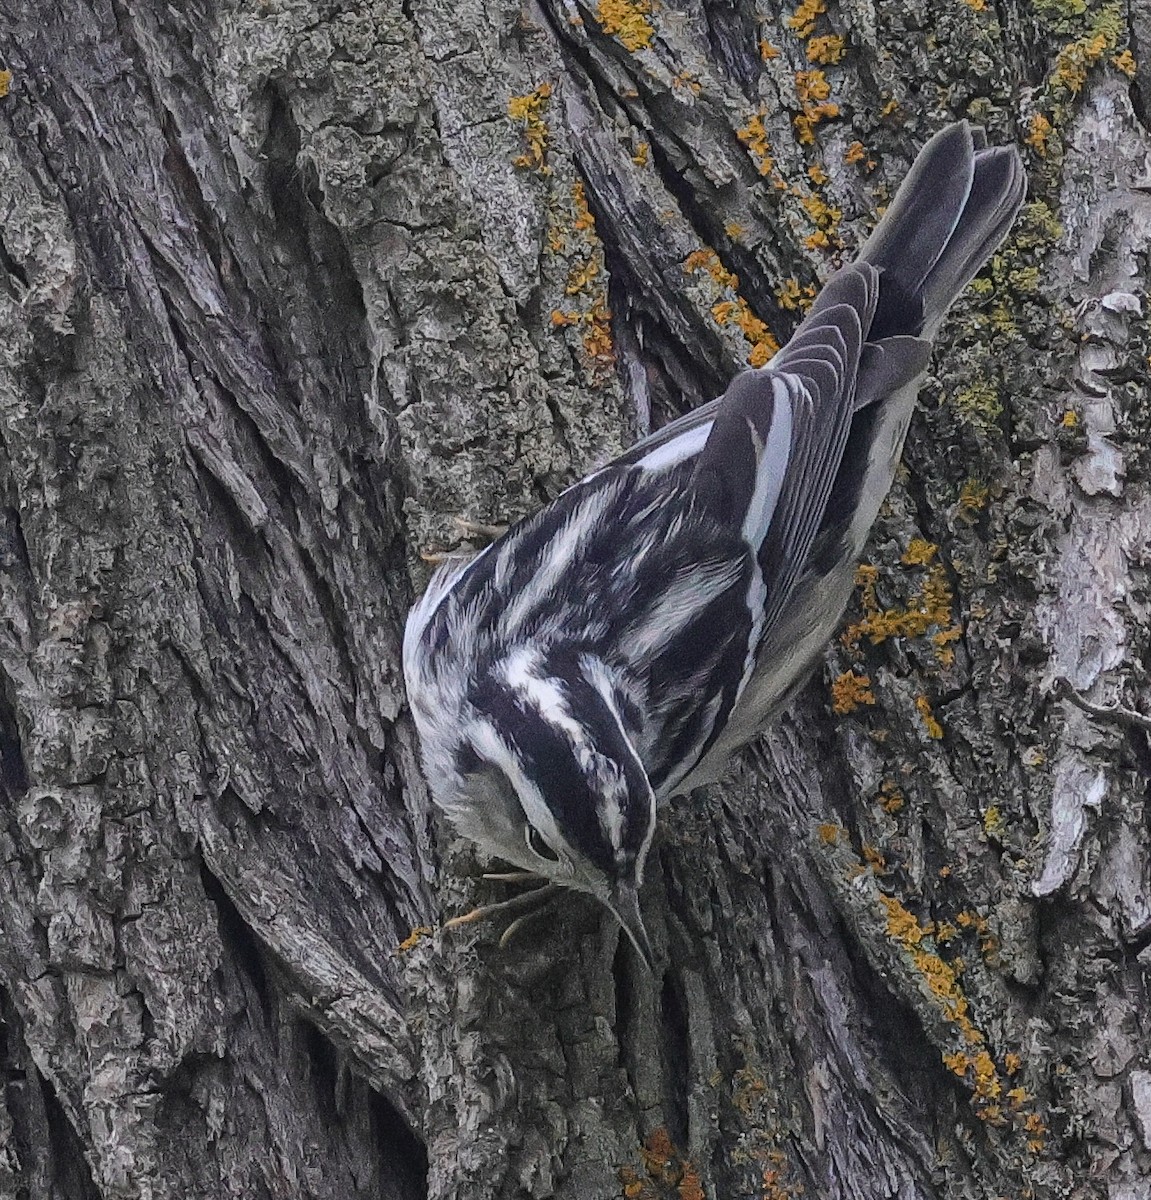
(951,211)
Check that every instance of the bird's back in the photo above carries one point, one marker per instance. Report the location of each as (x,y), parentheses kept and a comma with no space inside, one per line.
(951,211)
(710,564)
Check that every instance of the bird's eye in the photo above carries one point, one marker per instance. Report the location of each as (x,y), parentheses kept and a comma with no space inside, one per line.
(538,846)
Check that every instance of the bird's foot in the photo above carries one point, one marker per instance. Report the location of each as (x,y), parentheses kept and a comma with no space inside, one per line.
(478,530)
(472,531)
(437,558)
(522,908)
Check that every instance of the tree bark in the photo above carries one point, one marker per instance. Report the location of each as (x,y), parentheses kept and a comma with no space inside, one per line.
(286,286)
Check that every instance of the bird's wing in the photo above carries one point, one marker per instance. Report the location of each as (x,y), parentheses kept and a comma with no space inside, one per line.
(445,577)
(769,464)
(674,443)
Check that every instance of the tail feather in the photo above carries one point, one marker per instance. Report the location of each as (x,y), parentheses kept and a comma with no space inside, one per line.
(955,205)
(997,192)
(950,213)
(918,224)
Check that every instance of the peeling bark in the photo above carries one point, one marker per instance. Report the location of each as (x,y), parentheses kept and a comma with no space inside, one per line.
(285,286)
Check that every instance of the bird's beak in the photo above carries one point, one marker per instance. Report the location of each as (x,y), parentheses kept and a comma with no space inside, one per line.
(624,903)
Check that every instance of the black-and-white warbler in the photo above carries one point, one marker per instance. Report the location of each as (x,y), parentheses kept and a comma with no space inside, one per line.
(618,646)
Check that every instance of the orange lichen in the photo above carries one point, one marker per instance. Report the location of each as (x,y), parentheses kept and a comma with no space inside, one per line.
(805,16)
(529,110)
(581,276)
(931,607)
(734,230)
(774,1187)
(635,1188)
(756,333)
(657,1151)
(981,928)
(1125,62)
(1012,1062)
(826,50)
(942,640)
(597,341)
(1075,61)
(1037,1129)
(933,727)
(956,1061)
(733,309)
(5,83)
(627,20)
(776,1178)
(585,279)
(826,219)
(1039,130)
(664,1168)
(874,859)
(792,297)
(850,691)
(979,1069)
(748,1092)
(828,833)
(973,496)
(993,823)
(707,260)
(754,136)
(767,51)
(414,938)
(812,91)
(1070,419)
(584,221)
(987,1085)
(941,978)
(919,553)
(811,86)
(725,311)
(976,5)
(890,797)
(641,154)
(817,174)
(854,153)
(971,1067)
(866,577)
(690,1186)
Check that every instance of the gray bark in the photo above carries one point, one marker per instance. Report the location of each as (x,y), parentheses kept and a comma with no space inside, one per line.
(284,288)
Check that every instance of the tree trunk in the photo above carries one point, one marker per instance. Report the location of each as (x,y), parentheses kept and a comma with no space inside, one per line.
(287,285)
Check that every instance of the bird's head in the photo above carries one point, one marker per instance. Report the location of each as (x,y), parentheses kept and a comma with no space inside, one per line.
(546,776)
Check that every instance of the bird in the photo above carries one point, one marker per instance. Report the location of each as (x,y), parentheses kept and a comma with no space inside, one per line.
(616,647)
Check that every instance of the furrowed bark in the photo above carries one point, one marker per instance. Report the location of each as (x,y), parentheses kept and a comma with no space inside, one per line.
(285,288)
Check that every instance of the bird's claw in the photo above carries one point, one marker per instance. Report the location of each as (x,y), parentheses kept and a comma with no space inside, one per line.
(524,906)
(472,531)
(478,529)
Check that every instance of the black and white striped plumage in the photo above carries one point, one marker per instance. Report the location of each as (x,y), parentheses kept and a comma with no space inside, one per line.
(615,648)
